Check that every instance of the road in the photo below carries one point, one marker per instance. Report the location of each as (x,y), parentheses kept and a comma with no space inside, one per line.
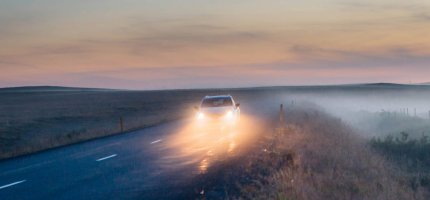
(153,163)
(119,167)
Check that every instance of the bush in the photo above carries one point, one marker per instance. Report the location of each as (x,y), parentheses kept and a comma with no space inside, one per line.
(404,150)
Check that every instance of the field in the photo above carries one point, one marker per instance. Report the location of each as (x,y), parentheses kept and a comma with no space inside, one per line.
(334,142)
(40,118)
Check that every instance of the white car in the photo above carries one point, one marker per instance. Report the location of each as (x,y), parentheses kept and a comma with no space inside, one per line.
(218,109)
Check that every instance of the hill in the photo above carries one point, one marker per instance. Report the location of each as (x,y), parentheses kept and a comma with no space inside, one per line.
(48,89)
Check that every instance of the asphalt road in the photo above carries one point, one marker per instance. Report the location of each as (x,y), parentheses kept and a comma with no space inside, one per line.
(117,167)
(153,163)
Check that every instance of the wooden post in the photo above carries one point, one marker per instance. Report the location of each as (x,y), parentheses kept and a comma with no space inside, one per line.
(121,124)
(281,115)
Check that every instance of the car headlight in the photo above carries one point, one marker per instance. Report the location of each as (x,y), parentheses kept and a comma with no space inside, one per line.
(200,115)
(229,115)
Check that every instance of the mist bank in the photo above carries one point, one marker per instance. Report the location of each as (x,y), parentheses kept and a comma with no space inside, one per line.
(374,109)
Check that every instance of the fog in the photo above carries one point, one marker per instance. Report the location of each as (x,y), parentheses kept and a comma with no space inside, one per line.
(372,111)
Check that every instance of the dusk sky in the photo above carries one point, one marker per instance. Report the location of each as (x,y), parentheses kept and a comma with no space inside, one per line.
(199,43)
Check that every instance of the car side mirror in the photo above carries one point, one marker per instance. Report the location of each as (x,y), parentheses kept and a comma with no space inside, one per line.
(237,105)
(196,108)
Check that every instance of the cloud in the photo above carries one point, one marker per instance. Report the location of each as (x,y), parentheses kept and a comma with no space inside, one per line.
(388,57)
(7,63)
(58,49)
(422,16)
(156,78)
(383,13)
(394,64)
(179,36)
(374,6)
(174,41)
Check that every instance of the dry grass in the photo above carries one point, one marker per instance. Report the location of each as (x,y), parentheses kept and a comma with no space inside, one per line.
(329,162)
(36,120)
(410,155)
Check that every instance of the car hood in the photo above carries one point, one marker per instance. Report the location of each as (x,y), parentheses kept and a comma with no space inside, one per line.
(216,110)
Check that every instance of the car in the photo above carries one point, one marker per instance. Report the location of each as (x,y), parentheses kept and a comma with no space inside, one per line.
(220,110)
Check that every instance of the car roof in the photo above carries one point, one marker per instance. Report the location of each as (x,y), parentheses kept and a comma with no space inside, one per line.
(218,96)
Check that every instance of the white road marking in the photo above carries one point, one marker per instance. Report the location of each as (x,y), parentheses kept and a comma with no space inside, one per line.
(107,157)
(156,141)
(12,184)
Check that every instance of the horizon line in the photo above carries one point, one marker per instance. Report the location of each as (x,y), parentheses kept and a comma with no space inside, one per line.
(215,88)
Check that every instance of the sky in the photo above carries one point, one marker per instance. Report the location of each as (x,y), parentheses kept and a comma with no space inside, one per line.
(141,44)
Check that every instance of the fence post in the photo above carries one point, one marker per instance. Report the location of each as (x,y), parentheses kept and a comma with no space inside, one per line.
(121,124)
(281,115)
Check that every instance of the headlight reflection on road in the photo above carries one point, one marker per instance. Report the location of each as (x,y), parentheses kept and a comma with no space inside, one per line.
(231,146)
(203,165)
(202,145)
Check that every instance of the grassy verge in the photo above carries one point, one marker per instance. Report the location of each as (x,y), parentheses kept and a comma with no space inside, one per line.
(315,156)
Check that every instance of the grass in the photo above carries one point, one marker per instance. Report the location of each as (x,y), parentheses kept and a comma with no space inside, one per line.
(316,156)
(411,155)
(31,121)
(331,162)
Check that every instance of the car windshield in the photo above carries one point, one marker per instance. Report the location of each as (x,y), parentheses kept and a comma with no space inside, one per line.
(217,102)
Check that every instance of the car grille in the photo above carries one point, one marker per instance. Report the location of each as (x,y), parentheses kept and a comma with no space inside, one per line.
(215,116)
